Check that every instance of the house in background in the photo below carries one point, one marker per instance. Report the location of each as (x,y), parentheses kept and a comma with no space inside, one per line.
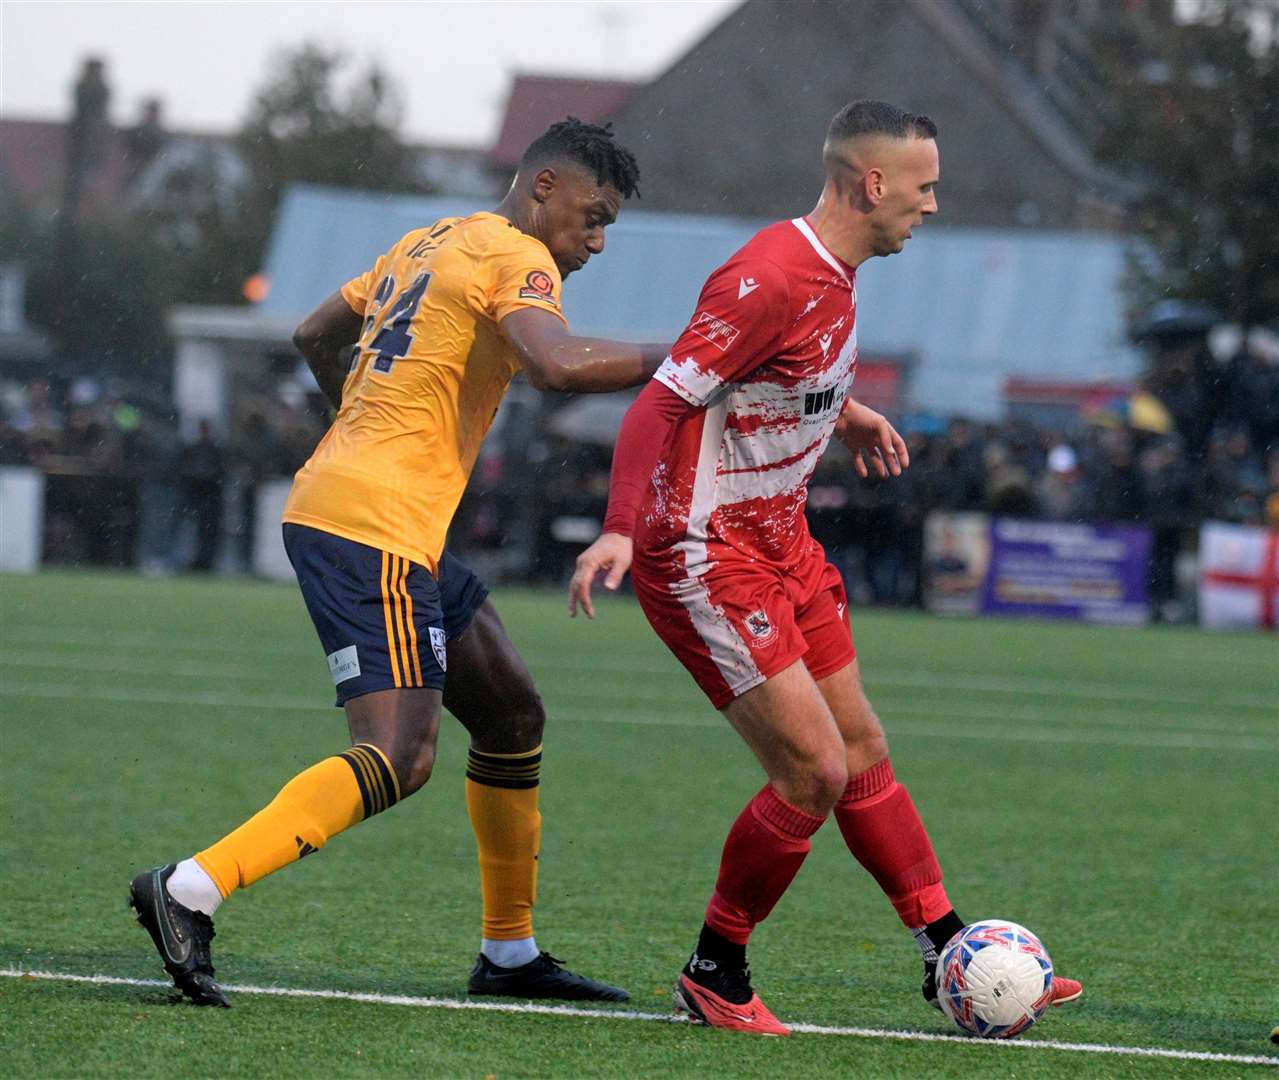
(24,349)
(951,319)
(736,125)
(92,164)
(537,101)
(727,138)
(88,164)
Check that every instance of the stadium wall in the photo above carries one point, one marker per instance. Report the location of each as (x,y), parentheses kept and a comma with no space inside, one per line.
(21,519)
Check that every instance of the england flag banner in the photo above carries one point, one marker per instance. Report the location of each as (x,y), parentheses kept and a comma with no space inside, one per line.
(1238,576)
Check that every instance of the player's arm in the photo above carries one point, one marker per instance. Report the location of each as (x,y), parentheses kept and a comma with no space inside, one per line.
(557,360)
(870,437)
(640,442)
(323,339)
(726,339)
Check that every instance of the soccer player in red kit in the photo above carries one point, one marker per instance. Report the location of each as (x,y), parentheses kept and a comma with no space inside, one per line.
(706,508)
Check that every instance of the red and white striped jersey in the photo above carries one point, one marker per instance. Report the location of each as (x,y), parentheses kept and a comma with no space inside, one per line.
(770,353)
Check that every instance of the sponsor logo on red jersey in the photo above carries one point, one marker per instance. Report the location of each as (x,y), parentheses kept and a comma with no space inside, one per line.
(821,400)
(719,333)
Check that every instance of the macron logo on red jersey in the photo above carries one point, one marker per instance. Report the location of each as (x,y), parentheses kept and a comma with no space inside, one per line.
(719,333)
(746,286)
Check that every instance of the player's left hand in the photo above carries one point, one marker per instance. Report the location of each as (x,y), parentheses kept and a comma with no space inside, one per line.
(871,438)
(610,554)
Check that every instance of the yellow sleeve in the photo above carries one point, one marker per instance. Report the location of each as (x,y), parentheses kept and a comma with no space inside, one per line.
(521,275)
(357,291)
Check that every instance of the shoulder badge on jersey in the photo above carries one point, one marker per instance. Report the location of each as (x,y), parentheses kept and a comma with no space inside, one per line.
(538,285)
(718,332)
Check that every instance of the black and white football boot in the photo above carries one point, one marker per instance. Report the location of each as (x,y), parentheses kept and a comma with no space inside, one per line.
(181,936)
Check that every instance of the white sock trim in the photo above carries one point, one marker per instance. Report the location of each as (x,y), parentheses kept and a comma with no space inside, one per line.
(191,886)
(510,954)
(925,944)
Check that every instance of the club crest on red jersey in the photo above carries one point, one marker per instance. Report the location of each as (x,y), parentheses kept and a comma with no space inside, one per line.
(719,333)
(761,627)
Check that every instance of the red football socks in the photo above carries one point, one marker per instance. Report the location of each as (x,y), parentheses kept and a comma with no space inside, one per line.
(883,831)
(765,848)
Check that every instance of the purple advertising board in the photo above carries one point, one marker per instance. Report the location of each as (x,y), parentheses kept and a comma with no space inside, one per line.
(1060,570)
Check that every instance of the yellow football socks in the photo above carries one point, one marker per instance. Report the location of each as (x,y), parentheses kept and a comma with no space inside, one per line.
(310,809)
(501,798)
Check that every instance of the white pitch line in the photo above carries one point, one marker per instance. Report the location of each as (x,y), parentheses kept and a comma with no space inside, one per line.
(1197,733)
(114,638)
(221,699)
(241,673)
(663,1018)
(116,664)
(907,678)
(896,726)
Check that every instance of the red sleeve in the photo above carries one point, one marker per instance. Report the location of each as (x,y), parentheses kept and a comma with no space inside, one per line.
(640,442)
(741,316)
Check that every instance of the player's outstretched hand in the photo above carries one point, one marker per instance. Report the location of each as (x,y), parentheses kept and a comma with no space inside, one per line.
(611,554)
(870,437)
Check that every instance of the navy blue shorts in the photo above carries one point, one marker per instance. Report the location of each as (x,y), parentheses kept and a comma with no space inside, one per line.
(461,594)
(382,620)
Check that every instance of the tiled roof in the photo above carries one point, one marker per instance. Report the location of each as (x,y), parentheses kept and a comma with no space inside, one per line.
(33,161)
(537,101)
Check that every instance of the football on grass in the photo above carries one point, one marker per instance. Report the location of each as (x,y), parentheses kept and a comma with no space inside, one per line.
(994,979)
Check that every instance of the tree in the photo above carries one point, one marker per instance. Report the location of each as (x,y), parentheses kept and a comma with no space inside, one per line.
(101,292)
(1194,119)
(305,124)
(303,127)
(101,280)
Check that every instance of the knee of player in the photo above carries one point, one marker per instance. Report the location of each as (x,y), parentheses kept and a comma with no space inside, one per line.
(829,778)
(817,786)
(529,716)
(871,746)
(413,769)
(519,724)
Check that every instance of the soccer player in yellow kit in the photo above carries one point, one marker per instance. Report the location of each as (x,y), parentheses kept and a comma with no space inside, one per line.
(441,324)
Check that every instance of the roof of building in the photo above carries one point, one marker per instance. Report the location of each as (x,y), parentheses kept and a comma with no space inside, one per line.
(971,307)
(736,124)
(33,160)
(537,101)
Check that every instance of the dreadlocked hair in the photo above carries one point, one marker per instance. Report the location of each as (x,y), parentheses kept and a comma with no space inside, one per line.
(590,146)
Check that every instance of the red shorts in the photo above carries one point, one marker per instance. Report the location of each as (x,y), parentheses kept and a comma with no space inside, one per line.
(743,622)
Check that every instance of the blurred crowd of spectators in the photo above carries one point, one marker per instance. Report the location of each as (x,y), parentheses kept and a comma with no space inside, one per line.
(1101,473)
(1200,441)
(124,486)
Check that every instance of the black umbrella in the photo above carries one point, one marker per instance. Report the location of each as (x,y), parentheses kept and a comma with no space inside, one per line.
(1175,319)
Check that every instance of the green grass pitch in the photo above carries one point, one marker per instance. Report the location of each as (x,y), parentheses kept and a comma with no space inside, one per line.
(1115,790)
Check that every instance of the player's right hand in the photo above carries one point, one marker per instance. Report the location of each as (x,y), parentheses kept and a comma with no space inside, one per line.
(611,553)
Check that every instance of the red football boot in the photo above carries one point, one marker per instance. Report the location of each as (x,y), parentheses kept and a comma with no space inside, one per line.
(704,1006)
(1065,990)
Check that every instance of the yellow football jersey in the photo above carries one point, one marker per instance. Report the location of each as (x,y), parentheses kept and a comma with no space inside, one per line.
(425,383)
